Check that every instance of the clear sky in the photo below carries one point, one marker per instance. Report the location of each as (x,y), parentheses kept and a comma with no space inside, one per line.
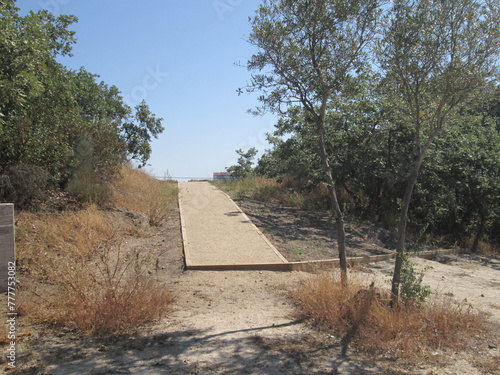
(178,55)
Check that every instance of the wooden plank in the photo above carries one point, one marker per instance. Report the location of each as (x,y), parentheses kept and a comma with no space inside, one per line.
(187,254)
(310,266)
(241,267)
(7,244)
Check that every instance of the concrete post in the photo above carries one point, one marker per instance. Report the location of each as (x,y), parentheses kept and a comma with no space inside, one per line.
(7,245)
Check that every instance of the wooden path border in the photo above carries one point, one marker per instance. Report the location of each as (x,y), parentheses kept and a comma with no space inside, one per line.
(311,266)
(187,254)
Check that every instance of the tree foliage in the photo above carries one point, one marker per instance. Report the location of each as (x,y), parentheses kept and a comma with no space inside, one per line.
(433,96)
(137,134)
(62,121)
(244,167)
(434,55)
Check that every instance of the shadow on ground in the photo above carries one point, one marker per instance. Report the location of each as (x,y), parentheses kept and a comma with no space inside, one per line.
(245,351)
(302,235)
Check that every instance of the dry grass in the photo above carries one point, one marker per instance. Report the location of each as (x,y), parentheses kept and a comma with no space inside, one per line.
(98,294)
(138,191)
(362,316)
(489,366)
(289,191)
(78,271)
(42,236)
(483,247)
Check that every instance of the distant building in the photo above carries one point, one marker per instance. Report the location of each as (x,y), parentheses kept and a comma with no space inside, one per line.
(222,175)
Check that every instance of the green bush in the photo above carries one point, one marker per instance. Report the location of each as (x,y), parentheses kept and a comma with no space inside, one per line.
(87,190)
(412,292)
(23,185)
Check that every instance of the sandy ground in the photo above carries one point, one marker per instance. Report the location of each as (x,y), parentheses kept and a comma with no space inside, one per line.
(221,320)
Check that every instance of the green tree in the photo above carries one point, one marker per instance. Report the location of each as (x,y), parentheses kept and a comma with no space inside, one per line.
(434,55)
(458,193)
(137,134)
(25,45)
(244,167)
(314,50)
(62,124)
(28,71)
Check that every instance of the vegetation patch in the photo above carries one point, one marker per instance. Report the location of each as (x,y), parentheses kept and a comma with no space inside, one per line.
(79,270)
(361,317)
(138,191)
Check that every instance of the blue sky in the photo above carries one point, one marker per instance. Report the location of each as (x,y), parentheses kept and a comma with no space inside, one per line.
(179,55)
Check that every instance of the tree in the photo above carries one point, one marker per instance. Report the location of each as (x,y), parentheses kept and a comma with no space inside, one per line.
(25,45)
(458,192)
(245,161)
(315,49)
(28,71)
(61,124)
(434,55)
(137,134)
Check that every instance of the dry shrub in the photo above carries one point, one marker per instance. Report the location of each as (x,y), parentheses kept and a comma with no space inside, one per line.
(138,191)
(109,292)
(82,275)
(266,189)
(320,197)
(362,316)
(258,187)
(323,301)
(161,198)
(483,247)
(289,191)
(86,188)
(129,191)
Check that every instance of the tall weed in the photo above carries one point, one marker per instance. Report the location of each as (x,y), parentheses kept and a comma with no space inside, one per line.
(40,236)
(288,191)
(160,199)
(102,293)
(87,189)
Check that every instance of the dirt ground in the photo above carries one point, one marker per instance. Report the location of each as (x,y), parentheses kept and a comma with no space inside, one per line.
(241,322)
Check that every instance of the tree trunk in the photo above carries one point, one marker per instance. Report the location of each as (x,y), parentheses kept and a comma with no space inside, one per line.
(337,212)
(412,180)
(481,231)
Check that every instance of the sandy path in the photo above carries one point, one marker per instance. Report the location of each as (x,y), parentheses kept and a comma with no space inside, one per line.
(212,330)
(216,231)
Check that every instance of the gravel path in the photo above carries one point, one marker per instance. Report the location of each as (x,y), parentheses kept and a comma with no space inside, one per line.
(215,231)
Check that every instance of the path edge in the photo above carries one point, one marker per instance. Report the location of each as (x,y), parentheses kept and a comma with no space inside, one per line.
(315,265)
(185,247)
(276,251)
